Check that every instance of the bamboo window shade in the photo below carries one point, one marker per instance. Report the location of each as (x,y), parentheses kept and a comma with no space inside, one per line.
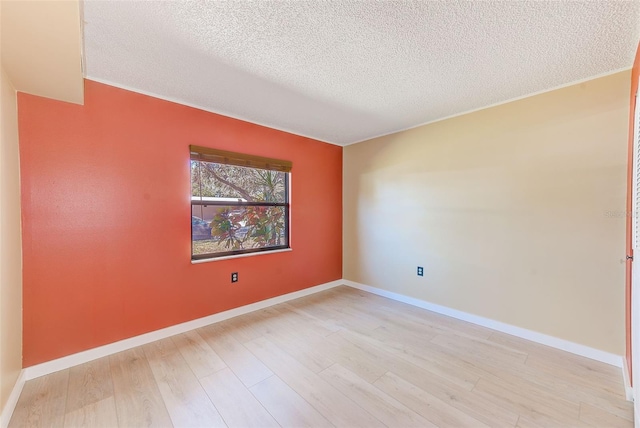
(239,159)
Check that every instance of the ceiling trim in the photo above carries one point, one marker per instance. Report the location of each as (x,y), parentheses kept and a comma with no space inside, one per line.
(532,94)
(244,119)
(199,107)
(318,71)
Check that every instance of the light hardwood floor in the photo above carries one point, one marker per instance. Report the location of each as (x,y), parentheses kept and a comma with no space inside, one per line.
(343,358)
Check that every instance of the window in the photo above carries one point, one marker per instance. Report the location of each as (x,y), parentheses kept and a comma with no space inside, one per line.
(239,203)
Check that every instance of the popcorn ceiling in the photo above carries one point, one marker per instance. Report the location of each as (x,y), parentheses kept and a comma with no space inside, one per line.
(347,71)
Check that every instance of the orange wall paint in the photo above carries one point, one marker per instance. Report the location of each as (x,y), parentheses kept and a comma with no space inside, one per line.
(635,74)
(106,219)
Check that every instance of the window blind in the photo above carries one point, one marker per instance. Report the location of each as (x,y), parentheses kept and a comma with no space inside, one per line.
(239,159)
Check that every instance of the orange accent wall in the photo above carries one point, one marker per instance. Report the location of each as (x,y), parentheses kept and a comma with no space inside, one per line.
(635,74)
(106,219)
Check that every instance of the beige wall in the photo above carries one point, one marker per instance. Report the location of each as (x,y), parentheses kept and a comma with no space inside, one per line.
(10,243)
(514,211)
(41,47)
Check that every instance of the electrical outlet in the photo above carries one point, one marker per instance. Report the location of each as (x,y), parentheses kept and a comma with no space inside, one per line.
(234,276)
(420,271)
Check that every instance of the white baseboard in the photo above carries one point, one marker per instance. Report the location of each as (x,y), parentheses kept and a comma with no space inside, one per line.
(10,405)
(554,342)
(122,345)
(48,367)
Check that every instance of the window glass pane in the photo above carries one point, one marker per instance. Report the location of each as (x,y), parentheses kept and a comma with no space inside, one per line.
(240,183)
(200,228)
(195,178)
(217,228)
(266,226)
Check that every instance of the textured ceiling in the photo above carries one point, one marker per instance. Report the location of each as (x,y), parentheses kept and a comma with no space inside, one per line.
(345,71)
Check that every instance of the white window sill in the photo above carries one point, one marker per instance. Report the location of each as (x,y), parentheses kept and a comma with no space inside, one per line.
(237,256)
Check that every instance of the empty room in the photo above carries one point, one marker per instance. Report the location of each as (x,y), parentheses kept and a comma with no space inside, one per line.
(319,213)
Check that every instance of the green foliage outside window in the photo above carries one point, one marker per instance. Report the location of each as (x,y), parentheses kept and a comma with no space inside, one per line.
(247,207)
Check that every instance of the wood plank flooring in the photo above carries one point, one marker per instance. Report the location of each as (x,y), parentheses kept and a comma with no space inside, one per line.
(343,358)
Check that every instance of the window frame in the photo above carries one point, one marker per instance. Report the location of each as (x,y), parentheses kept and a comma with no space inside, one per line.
(200,154)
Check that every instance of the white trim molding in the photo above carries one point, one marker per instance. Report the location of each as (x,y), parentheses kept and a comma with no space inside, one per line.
(10,405)
(48,367)
(534,336)
(207,109)
(122,345)
(499,103)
